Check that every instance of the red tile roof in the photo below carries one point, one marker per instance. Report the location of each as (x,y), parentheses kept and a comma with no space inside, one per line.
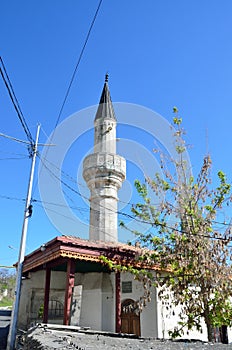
(63,247)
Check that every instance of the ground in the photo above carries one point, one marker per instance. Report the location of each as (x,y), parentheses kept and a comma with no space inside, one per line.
(53,337)
(45,338)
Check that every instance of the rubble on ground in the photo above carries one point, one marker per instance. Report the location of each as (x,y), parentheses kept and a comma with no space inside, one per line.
(51,337)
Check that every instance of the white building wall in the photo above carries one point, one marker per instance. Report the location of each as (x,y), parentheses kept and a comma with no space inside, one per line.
(32,295)
(96,304)
(230,335)
(91,304)
(27,308)
(168,320)
(108,303)
(148,319)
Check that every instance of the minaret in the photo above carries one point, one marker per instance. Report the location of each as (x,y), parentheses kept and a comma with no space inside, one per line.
(104,172)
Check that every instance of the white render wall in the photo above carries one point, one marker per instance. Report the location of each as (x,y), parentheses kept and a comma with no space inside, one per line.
(148,317)
(91,303)
(168,319)
(96,304)
(32,295)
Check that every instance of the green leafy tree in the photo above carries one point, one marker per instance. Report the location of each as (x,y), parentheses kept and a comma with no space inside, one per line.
(185,239)
(7,282)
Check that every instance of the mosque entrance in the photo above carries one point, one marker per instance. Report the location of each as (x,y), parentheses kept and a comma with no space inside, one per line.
(130,318)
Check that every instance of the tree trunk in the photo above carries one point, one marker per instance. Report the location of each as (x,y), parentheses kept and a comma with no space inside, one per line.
(224,335)
(208,323)
(210,332)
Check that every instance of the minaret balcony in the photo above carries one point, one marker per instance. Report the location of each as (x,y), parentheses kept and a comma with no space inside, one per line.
(104,164)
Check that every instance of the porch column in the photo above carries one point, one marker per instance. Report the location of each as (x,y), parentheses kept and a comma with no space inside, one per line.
(117,302)
(69,290)
(46,294)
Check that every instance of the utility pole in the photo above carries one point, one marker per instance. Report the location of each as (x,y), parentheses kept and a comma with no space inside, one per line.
(27,214)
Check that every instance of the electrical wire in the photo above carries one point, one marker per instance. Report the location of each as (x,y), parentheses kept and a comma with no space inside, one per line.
(72,179)
(69,177)
(56,212)
(74,73)
(14,158)
(164,225)
(15,102)
(78,62)
(12,198)
(129,216)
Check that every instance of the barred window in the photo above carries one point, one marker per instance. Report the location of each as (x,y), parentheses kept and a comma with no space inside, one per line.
(55,309)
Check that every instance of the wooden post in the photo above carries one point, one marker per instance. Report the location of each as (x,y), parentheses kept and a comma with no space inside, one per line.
(69,290)
(118,302)
(46,294)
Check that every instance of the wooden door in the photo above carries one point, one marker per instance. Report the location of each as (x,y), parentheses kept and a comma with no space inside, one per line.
(130,320)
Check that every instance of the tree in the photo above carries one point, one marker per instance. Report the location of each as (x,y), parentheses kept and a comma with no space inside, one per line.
(185,239)
(3,279)
(7,281)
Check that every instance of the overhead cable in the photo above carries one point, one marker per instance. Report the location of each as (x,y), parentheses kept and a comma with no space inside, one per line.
(75,70)
(130,216)
(14,100)
(78,62)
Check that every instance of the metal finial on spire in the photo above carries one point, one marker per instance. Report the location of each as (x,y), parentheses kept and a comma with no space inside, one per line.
(106,78)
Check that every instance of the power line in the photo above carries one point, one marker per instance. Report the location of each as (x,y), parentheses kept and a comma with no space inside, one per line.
(120,212)
(74,72)
(14,153)
(78,62)
(12,198)
(163,225)
(129,216)
(54,211)
(15,102)
(72,179)
(14,138)
(14,158)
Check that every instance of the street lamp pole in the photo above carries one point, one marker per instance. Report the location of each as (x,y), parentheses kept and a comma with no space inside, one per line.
(27,214)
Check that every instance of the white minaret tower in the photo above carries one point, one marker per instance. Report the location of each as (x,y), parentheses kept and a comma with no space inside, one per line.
(104,172)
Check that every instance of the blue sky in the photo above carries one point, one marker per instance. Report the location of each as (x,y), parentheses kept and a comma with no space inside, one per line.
(159,54)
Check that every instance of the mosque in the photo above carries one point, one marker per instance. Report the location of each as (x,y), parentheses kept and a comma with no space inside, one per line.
(67,282)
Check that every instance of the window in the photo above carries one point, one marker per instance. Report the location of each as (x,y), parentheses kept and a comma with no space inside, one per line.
(55,309)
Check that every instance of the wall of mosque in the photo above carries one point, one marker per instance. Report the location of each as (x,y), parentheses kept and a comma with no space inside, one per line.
(32,298)
(93,304)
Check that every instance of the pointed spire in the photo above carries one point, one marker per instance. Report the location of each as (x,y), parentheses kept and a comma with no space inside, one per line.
(105,108)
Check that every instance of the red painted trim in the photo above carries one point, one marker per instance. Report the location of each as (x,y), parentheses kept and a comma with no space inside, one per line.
(70,277)
(117,302)
(46,294)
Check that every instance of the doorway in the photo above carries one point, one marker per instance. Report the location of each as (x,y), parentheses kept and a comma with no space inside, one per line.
(130,320)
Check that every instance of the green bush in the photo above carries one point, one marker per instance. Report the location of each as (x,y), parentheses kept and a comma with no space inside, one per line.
(6,302)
